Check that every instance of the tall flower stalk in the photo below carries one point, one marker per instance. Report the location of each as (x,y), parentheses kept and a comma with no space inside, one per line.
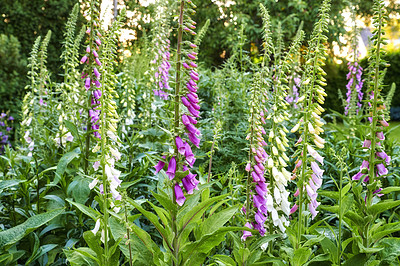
(374,166)
(308,172)
(277,198)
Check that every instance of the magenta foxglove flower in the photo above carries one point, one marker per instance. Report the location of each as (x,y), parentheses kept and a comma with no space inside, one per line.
(294,208)
(179,197)
(160,165)
(171,168)
(180,145)
(246,234)
(381,169)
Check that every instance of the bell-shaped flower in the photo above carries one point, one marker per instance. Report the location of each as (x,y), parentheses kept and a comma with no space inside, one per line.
(171,168)
(159,165)
(179,197)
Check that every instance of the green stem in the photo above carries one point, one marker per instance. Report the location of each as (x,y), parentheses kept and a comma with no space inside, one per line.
(340,215)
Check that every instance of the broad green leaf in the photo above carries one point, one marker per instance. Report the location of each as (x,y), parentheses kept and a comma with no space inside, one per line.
(86,210)
(359,259)
(262,240)
(301,256)
(94,243)
(197,211)
(217,220)
(384,230)
(65,160)
(310,242)
(40,252)
(79,189)
(165,202)
(330,194)
(224,260)
(387,190)
(329,248)
(13,235)
(383,206)
(153,219)
(367,250)
(347,203)
(81,257)
(143,248)
(72,128)
(4,184)
(391,248)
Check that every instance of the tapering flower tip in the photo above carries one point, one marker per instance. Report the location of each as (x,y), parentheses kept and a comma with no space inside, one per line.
(381,169)
(84,58)
(194,77)
(185,65)
(186,29)
(180,145)
(248,167)
(247,234)
(380,135)
(185,120)
(189,155)
(160,165)
(179,197)
(95,53)
(192,97)
(194,139)
(190,182)
(97,83)
(295,128)
(87,83)
(317,171)
(96,73)
(97,94)
(313,210)
(192,120)
(315,154)
(193,111)
(193,57)
(366,143)
(357,176)
(98,42)
(193,64)
(88,49)
(384,156)
(294,208)
(88,31)
(171,168)
(97,62)
(384,123)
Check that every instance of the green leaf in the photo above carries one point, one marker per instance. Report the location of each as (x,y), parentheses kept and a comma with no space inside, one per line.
(81,257)
(359,259)
(79,189)
(387,190)
(329,248)
(4,184)
(384,230)
(72,128)
(66,159)
(94,243)
(383,206)
(13,235)
(224,260)
(165,202)
(262,240)
(301,256)
(391,249)
(86,210)
(217,220)
(154,220)
(197,211)
(347,203)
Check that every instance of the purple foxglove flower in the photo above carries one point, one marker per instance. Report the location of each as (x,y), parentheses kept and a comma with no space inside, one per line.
(97,94)
(179,197)
(185,101)
(294,209)
(185,65)
(312,210)
(87,83)
(248,167)
(377,191)
(180,145)
(260,218)
(194,77)
(192,129)
(365,165)
(9,129)
(193,138)
(95,53)
(193,64)
(257,169)
(192,97)
(382,169)
(193,45)
(191,88)
(96,73)
(384,123)
(317,171)
(191,56)
(380,135)
(88,49)
(296,193)
(366,179)
(189,155)
(171,168)
(366,143)
(246,234)
(260,190)
(11,118)
(384,156)
(193,111)
(256,177)
(196,106)
(159,166)
(190,182)
(97,83)
(185,120)
(98,42)
(192,120)
(97,62)
(84,58)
